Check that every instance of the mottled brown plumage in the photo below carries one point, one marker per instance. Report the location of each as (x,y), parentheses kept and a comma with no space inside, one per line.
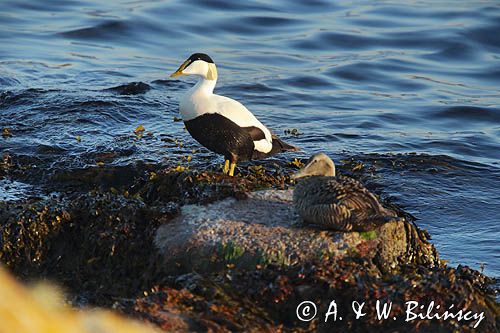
(340,203)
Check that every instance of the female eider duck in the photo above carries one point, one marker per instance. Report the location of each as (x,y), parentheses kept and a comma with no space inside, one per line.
(340,203)
(222,124)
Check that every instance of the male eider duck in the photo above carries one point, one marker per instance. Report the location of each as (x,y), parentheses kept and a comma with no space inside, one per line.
(222,124)
(336,202)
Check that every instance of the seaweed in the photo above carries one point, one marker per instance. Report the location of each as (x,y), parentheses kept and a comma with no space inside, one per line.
(96,240)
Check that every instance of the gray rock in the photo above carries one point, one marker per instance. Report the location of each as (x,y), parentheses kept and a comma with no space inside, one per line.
(264,229)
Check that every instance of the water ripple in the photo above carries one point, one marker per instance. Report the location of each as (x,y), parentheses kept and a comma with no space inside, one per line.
(382,78)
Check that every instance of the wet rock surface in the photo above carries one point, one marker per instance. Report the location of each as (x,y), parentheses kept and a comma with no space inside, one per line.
(133,88)
(189,250)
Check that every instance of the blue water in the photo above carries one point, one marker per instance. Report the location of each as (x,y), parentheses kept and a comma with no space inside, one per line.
(369,81)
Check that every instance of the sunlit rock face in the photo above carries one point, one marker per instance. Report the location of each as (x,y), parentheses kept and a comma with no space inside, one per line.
(264,229)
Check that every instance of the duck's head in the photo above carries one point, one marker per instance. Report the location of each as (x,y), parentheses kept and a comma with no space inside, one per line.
(197,64)
(318,165)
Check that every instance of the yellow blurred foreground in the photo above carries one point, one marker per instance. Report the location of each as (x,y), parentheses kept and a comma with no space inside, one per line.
(41,309)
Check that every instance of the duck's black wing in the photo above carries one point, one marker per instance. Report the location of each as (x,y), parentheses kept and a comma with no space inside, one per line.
(223,136)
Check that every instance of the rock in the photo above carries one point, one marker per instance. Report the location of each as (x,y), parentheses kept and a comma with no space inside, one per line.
(240,264)
(132,88)
(227,265)
(264,229)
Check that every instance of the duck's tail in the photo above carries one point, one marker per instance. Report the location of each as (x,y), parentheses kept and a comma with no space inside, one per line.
(279,146)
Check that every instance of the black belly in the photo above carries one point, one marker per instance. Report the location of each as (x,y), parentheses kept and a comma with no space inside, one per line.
(222,136)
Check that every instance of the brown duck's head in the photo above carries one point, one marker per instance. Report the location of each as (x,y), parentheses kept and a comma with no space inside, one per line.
(318,165)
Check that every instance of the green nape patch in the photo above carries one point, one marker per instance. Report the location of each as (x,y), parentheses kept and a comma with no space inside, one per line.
(368,235)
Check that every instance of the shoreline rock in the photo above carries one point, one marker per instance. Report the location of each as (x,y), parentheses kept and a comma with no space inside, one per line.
(127,247)
(264,229)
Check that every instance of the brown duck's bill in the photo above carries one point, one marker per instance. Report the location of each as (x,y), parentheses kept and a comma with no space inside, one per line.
(298,175)
(178,72)
(295,176)
(304,172)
